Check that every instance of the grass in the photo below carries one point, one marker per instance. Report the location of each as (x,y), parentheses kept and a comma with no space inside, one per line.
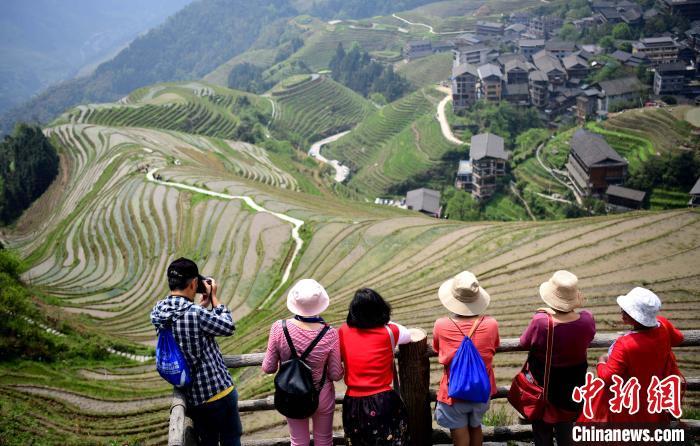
(634,149)
(503,207)
(427,70)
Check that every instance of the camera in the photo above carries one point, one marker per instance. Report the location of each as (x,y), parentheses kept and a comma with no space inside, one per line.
(201,287)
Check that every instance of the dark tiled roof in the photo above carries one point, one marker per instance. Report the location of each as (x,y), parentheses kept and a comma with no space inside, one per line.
(616,87)
(489,70)
(592,148)
(624,192)
(487,144)
(560,45)
(548,63)
(427,200)
(538,76)
(572,60)
(463,69)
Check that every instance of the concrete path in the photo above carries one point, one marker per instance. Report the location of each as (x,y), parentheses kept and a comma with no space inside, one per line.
(341,172)
(442,118)
(296,223)
(430,28)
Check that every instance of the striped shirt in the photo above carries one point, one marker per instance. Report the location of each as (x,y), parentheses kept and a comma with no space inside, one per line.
(326,351)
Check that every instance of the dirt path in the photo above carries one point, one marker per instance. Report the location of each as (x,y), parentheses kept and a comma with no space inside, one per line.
(89,404)
(430,28)
(554,175)
(296,223)
(341,172)
(517,194)
(442,118)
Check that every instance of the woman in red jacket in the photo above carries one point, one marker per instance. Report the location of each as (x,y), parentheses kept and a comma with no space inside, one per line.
(373,413)
(643,352)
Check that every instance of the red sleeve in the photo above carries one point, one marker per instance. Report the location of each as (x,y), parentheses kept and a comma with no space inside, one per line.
(616,364)
(497,341)
(341,340)
(529,335)
(674,334)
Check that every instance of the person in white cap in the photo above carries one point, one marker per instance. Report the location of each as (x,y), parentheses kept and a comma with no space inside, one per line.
(306,300)
(643,352)
(466,301)
(572,334)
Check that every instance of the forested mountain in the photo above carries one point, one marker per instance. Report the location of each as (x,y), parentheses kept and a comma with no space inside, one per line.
(188,45)
(44,41)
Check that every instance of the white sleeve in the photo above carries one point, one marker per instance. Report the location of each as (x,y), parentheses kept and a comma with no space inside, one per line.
(404,334)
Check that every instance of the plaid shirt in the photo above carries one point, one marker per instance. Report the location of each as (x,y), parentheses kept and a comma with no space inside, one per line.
(194,328)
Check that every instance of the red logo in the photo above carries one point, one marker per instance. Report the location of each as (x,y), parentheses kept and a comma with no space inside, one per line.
(587,392)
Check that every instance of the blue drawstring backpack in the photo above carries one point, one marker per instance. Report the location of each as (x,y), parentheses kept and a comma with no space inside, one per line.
(468,380)
(170,362)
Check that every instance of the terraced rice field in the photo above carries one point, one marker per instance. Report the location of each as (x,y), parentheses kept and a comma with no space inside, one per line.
(317,108)
(100,240)
(427,70)
(393,143)
(193,108)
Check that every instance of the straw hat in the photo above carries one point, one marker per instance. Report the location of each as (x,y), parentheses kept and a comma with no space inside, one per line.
(307,298)
(642,305)
(561,292)
(462,295)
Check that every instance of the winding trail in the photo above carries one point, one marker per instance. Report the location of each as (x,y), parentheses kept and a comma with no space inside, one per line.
(341,172)
(442,118)
(517,194)
(430,28)
(552,172)
(296,223)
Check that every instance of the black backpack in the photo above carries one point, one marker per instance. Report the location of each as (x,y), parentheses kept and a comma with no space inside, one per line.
(295,394)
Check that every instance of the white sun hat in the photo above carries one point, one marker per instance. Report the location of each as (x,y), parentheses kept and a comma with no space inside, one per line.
(642,305)
(462,295)
(561,291)
(307,298)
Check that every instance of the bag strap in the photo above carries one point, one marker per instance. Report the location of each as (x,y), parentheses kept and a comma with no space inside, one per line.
(548,356)
(289,339)
(395,377)
(316,340)
(472,330)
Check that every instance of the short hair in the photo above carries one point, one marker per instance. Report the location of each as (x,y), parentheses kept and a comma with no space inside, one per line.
(180,273)
(175,283)
(368,310)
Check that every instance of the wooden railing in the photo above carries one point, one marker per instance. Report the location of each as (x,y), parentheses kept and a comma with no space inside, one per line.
(414,375)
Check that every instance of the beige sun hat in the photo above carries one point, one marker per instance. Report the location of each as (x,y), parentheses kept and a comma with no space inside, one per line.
(561,291)
(462,295)
(307,298)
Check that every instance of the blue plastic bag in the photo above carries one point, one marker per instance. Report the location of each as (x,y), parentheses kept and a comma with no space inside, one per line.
(170,362)
(468,378)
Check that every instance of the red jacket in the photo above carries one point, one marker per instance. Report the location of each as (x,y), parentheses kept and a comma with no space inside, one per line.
(642,354)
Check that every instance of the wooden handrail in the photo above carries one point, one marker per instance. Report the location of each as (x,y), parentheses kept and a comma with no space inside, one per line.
(180,426)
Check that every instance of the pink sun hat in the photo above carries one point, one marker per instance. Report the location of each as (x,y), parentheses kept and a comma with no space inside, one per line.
(307,298)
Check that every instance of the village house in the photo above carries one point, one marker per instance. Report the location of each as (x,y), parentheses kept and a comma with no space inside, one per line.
(551,67)
(658,50)
(529,47)
(593,165)
(587,104)
(575,66)
(491,80)
(539,88)
(418,48)
(464,79)
(489,29)
(545,26)
(516,71)
(560,49)
(424,200)
(670,78)
(689,9)
(622,199)
(619,91)
(695,195)
(489,160)
(629,59)
(474,54)
(514,32)
(464,176)
(517,94)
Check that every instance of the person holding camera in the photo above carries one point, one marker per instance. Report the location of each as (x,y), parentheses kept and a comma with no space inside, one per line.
(212,399)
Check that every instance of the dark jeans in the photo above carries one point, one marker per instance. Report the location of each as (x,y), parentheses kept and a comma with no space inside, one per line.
(544,433)
(218,423)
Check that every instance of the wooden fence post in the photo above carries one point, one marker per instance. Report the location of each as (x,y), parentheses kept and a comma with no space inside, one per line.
(414,377)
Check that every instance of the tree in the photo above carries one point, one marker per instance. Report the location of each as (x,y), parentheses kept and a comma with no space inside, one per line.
(622,31)
(462,206)
(607,42)
(28,166)
(569,32)
(625,46)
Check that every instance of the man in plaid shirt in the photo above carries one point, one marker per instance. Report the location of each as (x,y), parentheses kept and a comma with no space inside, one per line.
(212,399)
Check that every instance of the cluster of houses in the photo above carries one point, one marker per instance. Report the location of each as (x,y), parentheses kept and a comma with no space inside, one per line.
(548,73)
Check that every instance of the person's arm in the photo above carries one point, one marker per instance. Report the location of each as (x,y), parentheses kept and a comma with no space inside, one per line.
(218,321)
(497,342)
(335,365)
(528,336)
(674,334)
(272,357)
(404,334)
(436,338)
(614,363)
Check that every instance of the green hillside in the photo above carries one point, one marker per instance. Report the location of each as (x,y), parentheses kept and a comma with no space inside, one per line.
(427,70)
(317,107)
